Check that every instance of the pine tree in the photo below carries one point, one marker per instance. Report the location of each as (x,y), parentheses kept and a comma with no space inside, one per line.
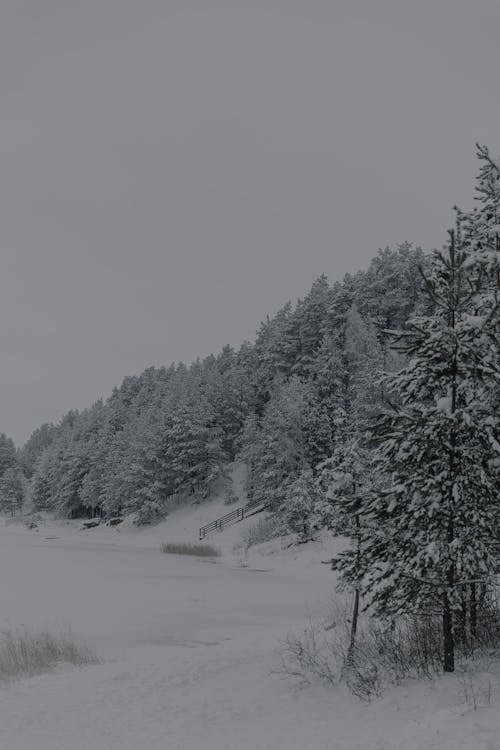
(363,357)
(41,484)
(309,323)
(390,291)
(345,481)
(39,440)
(8,454)
(481,227)
(12,490)
(432,529)
(229,392)
(249,444)
(281,443)
(298,514)
(344,476)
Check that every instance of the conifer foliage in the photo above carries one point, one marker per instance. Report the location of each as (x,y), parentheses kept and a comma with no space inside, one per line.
(430,532)
(166,436)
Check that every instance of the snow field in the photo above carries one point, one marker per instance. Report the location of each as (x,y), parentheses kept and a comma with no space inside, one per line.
(188,650)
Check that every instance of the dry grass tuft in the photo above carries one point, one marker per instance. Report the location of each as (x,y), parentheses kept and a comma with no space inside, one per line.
(24,653)
(198,550)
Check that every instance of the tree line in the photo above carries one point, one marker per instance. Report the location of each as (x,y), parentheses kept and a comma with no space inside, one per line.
(171,432)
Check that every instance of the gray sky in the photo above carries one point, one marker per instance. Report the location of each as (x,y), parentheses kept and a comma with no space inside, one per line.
(174,170)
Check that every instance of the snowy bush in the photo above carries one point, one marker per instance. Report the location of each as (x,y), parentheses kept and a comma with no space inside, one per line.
(230,498)
(24,653)
(264,530)
(150,511)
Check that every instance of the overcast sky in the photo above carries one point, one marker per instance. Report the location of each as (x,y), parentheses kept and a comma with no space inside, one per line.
(173,170)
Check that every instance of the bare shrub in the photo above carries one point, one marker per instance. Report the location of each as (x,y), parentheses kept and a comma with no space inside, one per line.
(317,652)
(24,653)
(310,655)
(486,639)
(387,653)
(476,688)
(264,530)
(383,654)
(198,550)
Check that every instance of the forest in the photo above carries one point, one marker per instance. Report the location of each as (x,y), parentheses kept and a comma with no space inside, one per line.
(369,408)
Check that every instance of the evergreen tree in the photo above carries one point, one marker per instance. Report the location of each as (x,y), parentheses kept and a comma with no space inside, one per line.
(346,480)
(279,452)
(341,475)
(39,440)
(481,227)
(12,490)
(309,319)
(390,291)
(41,483)
(274,352)
(298,513)
(249,451)
(193,447)
(8,453)
(229,391)
(363,356)
(432,529)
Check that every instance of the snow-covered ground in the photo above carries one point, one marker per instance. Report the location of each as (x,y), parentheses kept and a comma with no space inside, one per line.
(188,650)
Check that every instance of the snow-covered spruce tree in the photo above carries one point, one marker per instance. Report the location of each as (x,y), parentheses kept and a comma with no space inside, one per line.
(481,232)
(12,491)
(345,480)
(364,359)
(8,456)
(274,448)
(298,512)
(342,474)
(433,527)
(293,436)
(481,227)
(344,477)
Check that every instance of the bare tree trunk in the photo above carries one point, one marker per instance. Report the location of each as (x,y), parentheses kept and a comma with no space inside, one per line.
(355,611)
(354,625)
(462,624)
(448,634)
(473,611)
(448,640)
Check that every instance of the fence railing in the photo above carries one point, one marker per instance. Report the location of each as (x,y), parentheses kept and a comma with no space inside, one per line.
(238,514)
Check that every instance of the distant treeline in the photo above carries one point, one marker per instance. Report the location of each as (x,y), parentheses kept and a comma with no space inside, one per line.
(171,432)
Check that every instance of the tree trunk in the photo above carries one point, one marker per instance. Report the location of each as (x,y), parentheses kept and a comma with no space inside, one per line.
(355,611)
(448,640)
(473,611)
(448,634)
(354,626)
(462,620)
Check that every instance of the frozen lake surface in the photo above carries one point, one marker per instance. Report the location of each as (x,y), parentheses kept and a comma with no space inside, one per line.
(188,651)
(119,595)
